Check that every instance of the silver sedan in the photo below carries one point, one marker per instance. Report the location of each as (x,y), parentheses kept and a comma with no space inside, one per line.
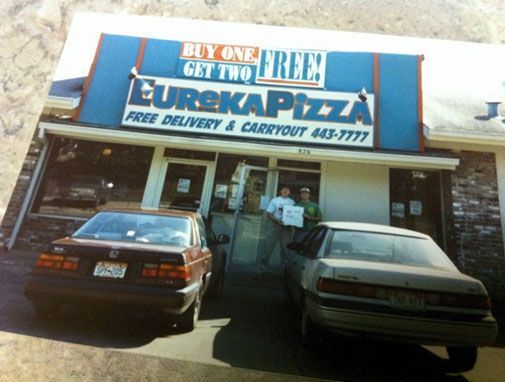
(387,283)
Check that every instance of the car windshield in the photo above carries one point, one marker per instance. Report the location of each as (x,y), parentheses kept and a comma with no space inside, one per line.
(387,248)
(85,180)
(137,227)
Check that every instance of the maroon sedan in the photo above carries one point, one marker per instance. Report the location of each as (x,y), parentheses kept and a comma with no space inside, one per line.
(152,259)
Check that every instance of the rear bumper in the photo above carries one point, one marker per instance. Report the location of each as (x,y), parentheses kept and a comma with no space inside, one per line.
(61,290)
(404,328)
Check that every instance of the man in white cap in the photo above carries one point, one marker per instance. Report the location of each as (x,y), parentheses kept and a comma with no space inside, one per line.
(311,214)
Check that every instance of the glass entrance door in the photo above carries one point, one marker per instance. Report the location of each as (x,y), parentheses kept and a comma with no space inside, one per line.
(249,224)
(184,187)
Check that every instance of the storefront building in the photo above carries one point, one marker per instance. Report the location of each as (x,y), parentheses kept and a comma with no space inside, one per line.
(219,127)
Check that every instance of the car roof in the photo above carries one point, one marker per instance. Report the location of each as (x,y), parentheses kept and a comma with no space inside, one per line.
(155,211)
(375,228)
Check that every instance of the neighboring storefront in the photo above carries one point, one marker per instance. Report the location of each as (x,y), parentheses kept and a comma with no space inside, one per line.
(218,128)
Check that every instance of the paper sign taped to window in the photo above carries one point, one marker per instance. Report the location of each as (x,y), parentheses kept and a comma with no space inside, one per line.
(183,186)
(221,191)
(232,203)
(398,210)
(416,207)
(292,215)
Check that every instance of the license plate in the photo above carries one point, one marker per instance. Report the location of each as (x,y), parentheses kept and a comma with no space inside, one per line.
(406,300)
(110,270)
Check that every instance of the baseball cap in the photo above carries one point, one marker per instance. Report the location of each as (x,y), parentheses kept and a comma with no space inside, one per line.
(305,189)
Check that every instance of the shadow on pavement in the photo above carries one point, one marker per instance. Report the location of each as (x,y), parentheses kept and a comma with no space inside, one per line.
(102,328)
(263,334)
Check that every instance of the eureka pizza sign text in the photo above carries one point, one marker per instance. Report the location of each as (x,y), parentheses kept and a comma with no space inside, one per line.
(277,114)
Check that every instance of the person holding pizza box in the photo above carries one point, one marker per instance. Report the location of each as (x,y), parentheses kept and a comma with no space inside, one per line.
(278,232)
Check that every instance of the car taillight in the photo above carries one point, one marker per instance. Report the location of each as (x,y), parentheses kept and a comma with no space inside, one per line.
(347,288)
(150,270)
(166,271)
(356,289)
(47,260)
(465,301)
(70,263)
(174,272)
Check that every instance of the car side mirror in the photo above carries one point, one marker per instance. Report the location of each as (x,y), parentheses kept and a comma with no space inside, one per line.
(223,239)
(296,246)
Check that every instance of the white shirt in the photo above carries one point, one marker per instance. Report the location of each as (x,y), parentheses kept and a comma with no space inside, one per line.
(277,204)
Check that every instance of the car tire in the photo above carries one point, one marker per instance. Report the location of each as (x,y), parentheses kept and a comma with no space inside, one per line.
(461,358)
(216,287)
(287,299)
(46,310)
(187,321)
(308,330)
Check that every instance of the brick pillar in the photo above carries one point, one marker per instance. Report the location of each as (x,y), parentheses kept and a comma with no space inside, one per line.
(473,220)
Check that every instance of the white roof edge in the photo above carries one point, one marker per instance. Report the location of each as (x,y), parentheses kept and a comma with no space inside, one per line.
(62,102)
(456,137)
(295,152)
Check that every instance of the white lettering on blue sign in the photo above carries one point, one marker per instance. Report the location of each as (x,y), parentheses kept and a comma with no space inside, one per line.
(244,64)
(292,67)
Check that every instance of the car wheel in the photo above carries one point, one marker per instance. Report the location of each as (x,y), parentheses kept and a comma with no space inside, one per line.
(187,320)
(461,358)
(287,299)
(308,330)
(216,287)
(46,310)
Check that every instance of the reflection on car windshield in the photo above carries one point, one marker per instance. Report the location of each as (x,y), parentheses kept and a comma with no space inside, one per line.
(84,180)
(141,228)
(386,248)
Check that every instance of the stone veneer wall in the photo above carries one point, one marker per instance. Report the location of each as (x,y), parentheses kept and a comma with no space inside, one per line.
(36,231)
(474,230)
(20,189)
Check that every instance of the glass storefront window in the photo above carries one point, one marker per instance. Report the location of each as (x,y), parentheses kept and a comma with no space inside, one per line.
(298,179)
(82,177)
(227,179)
(183,186)
(299,164)
(415,202)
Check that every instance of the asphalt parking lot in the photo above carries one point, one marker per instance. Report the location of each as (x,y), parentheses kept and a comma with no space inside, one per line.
(249,329)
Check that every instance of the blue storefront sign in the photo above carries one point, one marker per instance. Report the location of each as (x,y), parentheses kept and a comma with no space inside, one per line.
(304,97)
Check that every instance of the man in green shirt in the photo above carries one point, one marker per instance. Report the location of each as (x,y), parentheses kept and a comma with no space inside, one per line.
(311,214)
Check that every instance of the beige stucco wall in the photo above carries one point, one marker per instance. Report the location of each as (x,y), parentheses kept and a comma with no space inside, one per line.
(356,192)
